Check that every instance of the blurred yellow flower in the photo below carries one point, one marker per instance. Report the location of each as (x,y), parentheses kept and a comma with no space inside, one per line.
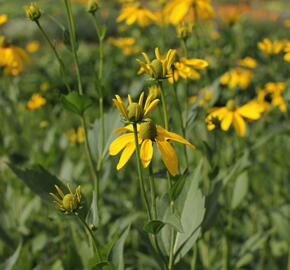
(125,43)
(32,46)
(287,52)
(43,124)
(206,95)
(135,112)
(177,11)
(44,86)
(183,30)
(148,133)
(154,90)
(271,47)
(76,136)
(248,62)
(237,77)
(186,68)
(160,67)
(3,18)
(231,114)
(67,202)
(132,12)
(287,23)
(12,58)
(36,101)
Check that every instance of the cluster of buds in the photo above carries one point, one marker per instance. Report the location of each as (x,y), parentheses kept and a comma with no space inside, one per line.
(32,12)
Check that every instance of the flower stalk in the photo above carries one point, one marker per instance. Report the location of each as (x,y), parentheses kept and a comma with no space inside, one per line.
(164,105)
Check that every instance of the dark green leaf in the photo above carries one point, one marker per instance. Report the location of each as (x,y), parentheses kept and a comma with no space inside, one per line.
(153,226)
(240,189)
(177,187)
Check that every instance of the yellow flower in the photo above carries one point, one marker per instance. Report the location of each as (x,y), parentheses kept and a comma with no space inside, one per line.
(233,114)
(35,102)
(287,23)
(76,136)
(287,51)
(135,112)
(248,62)
(132,12)
(177,11)
(32,12)
(160,67)
(43,124)
(148,133)
(186,68)
(237,77)
(126,44)
(12,58)
(269,47)
(44,86)
(67,202)
(184,30)
(3,18)
(32,46)
(154,90)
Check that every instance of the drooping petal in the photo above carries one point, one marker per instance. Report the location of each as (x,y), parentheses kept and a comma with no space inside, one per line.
(227,121)
(250,111)
(126,155)
(168,156)
(239,124)
(146,152)
(118,144)
(125,129)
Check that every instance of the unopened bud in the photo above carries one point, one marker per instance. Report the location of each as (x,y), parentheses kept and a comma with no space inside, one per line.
(32,12)
(156,65)
(134,112)
(92,6)
(184,30)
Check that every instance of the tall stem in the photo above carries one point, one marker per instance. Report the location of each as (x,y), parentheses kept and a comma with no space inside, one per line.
(94,240)
(164,105)
(62,66)
(226,255)
(73,43)
(140,175)
(152,193)
(288,263)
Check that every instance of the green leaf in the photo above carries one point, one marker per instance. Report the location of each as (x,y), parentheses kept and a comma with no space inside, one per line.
(240,189)
(104,266)
(76,103)
(11,261)
(93,214)
(39,180)
(177,187)
(118,250)
(153,226)
(106,249)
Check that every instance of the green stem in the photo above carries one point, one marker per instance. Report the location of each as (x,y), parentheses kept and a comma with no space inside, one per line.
(194,257)
(141,180)
(152,193)
(164,105)
(94,172)
(94,240)
(73,43)
(226,255)
(62,66)
(288,263)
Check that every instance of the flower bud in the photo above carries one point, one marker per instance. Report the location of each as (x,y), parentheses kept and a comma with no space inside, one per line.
(32,12)
(92,6)
(134,112)
(183,30)
(157,69)
(148,130)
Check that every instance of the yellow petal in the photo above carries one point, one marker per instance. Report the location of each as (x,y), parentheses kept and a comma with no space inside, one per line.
(118,144)
(226,121)
(146,152)
(250,111)
(59,191)
(78,193)
(126,129)
(239,124)
(168,156)
(130,99)
(151,106)
(56,198)
(140,102)
(126,154)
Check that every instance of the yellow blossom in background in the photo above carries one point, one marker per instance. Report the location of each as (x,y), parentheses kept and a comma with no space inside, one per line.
(148,133)
(132,12)
(67,202)
(154,90)
(135,112)
(271,47)
(205,96)
(178,11)
(232,114)
(214,35)
(44,86)
(287,23)
(248,62)
(183,30)
(3,18)
(43,124)
(187,69)
(287,52)
(32,46)
(76,136)
(35,102)
(274,90)
(160,67)
(125,43)
(237,77)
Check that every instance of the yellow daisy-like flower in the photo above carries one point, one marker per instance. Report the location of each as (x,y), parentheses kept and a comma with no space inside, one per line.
(132,12)
(237,77)
(76,136)
(271,47)
(135,112)
(231,114)
(3,18)
(148,133)
(67,202)
(178,11)
(35,102)
(160,67)
(248,62)
(126,44)
(13,58)
(187,69)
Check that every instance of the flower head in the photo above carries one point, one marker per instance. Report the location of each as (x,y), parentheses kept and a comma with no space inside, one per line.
(160,67)
(184,30)
(76,136)
(148,133)
(271,47)
(32,46)
(248,62)
(125,43)
(67,202)
(231,113)
(32,12)
(3,18)
(35,102)
(135,112)
(237,77)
